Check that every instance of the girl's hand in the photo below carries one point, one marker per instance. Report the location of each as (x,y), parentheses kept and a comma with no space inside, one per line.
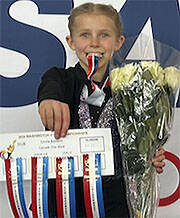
(158,160)
(55,116)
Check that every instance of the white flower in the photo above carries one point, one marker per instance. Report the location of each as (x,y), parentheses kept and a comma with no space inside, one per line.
(122,76)
(156,71)
(172,77)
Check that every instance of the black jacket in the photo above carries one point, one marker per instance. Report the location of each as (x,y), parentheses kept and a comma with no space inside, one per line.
(66,85)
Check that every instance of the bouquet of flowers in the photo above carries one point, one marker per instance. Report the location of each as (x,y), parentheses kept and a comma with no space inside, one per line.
(144,96)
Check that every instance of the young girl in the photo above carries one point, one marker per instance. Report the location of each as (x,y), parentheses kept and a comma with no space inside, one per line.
(95,29)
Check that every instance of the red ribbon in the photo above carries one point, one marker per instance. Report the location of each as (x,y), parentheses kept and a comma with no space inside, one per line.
(86,179)
(34,187)
(9,188)
(59,197)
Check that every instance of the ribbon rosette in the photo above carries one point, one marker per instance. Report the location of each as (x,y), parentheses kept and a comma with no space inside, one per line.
(145,95)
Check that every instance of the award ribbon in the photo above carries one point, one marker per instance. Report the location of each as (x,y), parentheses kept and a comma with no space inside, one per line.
(97,96)
(93,185)
(39,187)
(20,186)
(65,187)
(45,187)
(33,186)
(14,183)
(99,186)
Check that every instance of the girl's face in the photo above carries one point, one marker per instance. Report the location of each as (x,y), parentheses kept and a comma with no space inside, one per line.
(94,34)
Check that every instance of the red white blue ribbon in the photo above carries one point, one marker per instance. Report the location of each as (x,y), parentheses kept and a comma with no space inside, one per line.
(93,67)
(65,187)
(39,187)
(14,181)
(97,96)
(92,182)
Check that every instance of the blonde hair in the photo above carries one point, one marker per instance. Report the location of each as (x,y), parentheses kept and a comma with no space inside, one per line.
(89,8)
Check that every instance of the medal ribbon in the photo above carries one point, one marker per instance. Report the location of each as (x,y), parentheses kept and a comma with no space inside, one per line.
(97,96)
(14,183)
(93,67)
(40,187)
(65,187)
(93,186)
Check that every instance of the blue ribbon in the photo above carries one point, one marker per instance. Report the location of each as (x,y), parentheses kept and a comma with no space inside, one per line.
(71,187)
(99,185)
(45,187)
(20,187)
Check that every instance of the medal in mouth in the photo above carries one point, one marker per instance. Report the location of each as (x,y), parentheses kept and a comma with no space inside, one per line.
(99,55)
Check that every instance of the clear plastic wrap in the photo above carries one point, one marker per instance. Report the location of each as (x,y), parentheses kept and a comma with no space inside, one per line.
(145,94)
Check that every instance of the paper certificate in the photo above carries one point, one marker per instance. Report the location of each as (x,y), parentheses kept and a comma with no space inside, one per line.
(75,144)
